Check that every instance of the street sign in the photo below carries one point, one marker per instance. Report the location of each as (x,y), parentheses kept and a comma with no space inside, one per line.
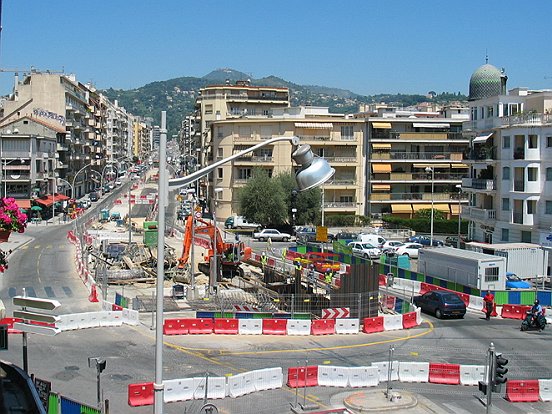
(335,313)
(36,316)
(321,234)
(36,329)
(37,303)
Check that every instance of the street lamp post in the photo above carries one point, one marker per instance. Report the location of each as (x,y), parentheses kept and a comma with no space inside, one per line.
(459,187)
(314,172)
(69,184)
(432,171)
(75,178)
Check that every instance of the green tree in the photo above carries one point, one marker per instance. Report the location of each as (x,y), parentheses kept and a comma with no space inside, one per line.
(308,203)
(262,200)
(426,214)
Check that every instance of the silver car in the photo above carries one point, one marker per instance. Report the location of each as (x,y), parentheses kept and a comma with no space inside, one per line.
(365,250)
(271,234)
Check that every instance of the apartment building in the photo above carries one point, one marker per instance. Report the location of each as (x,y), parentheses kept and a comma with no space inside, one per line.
(415,160)
(141,145)
(511,163)
(241,100)
(332,136)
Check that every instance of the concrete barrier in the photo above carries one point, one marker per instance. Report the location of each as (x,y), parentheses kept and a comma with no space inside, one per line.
(414,371)
(268,378)
(329,376)
(471,374)
(364,376)
(299,327)
(392,322)
(250,327)
(178,390)
(383,368)
(347,326)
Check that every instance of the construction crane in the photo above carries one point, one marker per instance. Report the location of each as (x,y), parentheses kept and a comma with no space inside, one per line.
(230,255)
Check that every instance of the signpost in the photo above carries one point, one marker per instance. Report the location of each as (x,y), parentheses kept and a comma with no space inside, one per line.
(29,317)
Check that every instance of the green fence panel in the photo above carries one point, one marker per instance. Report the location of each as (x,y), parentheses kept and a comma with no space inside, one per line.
(501,298)
(262,315)
(53,404)
(301,249)
(528,298)
(89,410)
(420,277)
(302,316)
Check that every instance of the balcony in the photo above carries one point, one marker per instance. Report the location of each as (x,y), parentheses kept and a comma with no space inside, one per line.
(534,119)
(519,185)
(478,184)
(342,159)
(62,147)
(305,138)
(478,214)
(480,154)
(400,155)
(424,176)
(418,136)
(517,218)
(338,205)
(337,182)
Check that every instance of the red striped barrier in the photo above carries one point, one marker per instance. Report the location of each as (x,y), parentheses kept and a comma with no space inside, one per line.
(323,327)
(514,311)
(274,326)
(372,325)
(226,326)
(382,280)
(444,373)
(201,326)
(140,394)
(409,320)
(493,313)
(522,390)
(9,322)
(302,377)
(116,307)
(176,326)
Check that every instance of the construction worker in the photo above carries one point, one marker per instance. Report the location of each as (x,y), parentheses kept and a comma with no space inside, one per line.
(264,260)
(328,278)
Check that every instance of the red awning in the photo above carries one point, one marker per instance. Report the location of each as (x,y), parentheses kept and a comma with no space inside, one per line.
(60,197)
(45,201)
(24,204)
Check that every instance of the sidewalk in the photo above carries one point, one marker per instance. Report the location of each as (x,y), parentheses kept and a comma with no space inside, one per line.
(15,241)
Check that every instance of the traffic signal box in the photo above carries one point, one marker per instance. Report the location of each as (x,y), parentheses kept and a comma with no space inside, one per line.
(499,373)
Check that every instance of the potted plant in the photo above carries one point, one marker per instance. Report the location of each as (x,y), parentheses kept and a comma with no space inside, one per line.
(11,219)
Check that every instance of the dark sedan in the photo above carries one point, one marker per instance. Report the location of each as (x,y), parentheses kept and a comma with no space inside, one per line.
(441,304)
(426,241)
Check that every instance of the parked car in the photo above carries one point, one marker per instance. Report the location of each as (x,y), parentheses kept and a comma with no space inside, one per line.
(239,222)
(408,249)
(93,196)
(426,241)
(346,235)
(390,245)
(441,303)
(365,250)
(513,281)
(271,234)
(373,239)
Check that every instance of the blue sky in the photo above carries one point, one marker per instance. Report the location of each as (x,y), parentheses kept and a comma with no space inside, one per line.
(365,46)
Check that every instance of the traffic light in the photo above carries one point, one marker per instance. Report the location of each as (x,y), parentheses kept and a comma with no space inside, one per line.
(101,365)
(500,371)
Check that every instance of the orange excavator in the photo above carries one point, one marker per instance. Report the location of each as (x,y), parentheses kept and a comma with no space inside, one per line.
(230,255)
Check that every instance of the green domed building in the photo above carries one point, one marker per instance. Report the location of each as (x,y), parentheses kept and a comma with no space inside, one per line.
(487,81)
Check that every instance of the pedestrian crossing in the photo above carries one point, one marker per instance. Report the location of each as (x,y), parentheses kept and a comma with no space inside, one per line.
(50,292)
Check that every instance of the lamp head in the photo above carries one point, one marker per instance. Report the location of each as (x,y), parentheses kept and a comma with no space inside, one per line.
(314,171)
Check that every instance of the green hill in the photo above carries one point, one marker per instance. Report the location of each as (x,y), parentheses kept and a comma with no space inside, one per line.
(177,96)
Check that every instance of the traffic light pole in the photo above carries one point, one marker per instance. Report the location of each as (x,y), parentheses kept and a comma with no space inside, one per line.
(490,374)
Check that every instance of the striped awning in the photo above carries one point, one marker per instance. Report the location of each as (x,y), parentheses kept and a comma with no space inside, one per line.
(418,207)
(23,204)
(381,146)
(482,138)
(314,125)
(459,166)
(381,168)
(454,209)
(381,187)
(401,208)
(428,125)
(431,165)
(381,125)
(445,208)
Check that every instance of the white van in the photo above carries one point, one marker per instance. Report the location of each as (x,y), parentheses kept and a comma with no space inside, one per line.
(373,239)
(239,222)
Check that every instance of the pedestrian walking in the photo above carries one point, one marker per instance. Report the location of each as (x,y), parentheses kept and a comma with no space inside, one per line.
(489,304)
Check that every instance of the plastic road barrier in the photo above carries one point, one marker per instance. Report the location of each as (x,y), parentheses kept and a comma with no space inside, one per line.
(514,311)
(371,325)
(383,369)
(545,389)
(140,394)
(274,326)
(176,326)
(131,317)
(329,376)
(226,326)
(250,326)
(268,378)
(201,326)
(178,390)
(471,374)
(299,326)
(110,318)
(476,302)
(382,280)
(240,384)
(302,376)
(522,390)
(392,322)
(444,373)
(66,322)
(419,319)
(409,320)
(10,322)
(347,326)
(323,327)
(363,377)
(414,371)
(216,388)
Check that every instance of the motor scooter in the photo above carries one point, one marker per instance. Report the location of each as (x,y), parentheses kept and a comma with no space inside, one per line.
(533,323)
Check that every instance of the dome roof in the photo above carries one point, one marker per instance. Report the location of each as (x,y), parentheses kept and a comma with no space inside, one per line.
(486,81)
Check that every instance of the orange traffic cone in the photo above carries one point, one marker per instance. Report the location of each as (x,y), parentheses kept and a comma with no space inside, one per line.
(93,294)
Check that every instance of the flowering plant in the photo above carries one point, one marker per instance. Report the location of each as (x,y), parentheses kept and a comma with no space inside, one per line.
(11,219)
(4,260)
